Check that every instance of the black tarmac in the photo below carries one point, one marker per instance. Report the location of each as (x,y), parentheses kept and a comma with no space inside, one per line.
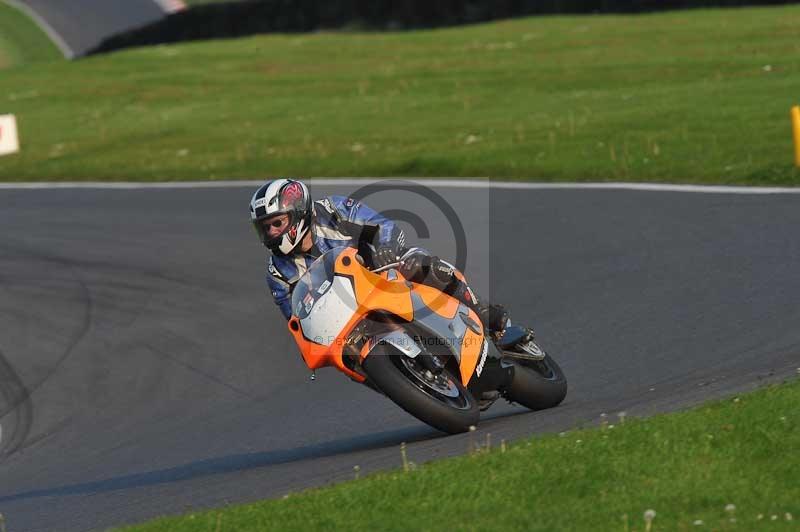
(144,369)
(84,24)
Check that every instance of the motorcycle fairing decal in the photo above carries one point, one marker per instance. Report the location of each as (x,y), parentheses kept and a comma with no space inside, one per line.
(470,353)
(471,294)
(329,313)
(306,304)
(323,287)
(484,352)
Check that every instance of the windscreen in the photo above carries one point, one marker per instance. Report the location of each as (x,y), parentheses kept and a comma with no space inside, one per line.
(314,283)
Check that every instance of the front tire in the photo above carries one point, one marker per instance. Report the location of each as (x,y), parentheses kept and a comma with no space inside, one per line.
(444,404)
(537,384)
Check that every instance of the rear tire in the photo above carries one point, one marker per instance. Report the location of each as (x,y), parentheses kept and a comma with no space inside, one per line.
(537,385)
(452,414)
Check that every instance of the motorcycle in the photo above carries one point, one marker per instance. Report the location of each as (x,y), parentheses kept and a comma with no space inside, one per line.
(424,350)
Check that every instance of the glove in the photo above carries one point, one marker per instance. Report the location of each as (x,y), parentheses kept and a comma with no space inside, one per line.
(443,272)
(386,254)
(415,266)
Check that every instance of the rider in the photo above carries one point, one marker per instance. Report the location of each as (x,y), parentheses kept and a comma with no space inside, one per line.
(298,230)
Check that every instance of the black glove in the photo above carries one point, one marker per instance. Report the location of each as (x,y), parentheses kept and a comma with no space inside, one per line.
(386,254)
(443,273)
(415,266)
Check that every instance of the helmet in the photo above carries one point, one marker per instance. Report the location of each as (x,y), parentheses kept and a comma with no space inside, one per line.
(282,196)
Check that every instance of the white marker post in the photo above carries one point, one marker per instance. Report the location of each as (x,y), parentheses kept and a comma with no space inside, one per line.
(9,142)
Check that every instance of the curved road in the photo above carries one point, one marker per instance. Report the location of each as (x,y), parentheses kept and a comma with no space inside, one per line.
(144,370)
(77,26)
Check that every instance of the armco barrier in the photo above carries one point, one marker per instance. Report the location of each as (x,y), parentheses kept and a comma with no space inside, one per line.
(240,18)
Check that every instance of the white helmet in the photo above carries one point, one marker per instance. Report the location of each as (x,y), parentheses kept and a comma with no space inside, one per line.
(282,196)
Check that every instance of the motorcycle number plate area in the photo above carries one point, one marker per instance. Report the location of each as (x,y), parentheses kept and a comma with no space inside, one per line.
(330,313)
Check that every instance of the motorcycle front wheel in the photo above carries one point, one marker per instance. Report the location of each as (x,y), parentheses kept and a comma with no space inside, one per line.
(537,384)
(440,400)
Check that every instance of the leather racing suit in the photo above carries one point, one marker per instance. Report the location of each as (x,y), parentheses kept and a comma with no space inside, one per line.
(339,221)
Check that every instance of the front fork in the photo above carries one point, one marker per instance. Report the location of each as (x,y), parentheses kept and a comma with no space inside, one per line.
(519,342)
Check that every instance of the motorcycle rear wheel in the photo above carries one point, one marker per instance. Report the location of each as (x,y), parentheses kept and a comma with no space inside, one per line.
(443,402)
(537,384)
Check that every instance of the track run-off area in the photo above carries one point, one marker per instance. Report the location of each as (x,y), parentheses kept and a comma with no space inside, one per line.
(144,369)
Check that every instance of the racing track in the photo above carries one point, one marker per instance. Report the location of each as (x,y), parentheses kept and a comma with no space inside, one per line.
(77,26)
(144,370)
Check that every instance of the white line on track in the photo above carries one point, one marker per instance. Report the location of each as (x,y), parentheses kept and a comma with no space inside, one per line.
(62,45)
(436,183)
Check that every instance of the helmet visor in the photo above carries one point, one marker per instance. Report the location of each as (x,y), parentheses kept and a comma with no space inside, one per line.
(271,229)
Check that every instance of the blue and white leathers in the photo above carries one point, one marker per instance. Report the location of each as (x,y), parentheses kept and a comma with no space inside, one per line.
(338,221)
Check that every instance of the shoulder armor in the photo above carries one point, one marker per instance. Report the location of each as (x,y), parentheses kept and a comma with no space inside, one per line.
(275,272)
(326,204)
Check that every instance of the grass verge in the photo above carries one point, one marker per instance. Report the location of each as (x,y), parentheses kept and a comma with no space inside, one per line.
(697,96)
(21,41)
(729,465)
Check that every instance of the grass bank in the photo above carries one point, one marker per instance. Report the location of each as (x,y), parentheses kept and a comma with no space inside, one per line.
(21,42)
(730,465)
(698,96)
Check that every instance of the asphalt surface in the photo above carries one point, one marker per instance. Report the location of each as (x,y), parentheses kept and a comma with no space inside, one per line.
(145,371)
(81,25)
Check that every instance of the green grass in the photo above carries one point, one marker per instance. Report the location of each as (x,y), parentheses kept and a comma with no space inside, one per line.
(694,96)
(21,42)
(686,466)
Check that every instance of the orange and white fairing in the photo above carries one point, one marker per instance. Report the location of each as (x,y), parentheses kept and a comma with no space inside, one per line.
(337,293)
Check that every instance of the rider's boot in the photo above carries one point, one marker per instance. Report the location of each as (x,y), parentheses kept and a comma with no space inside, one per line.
(494,317)
(442,274)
